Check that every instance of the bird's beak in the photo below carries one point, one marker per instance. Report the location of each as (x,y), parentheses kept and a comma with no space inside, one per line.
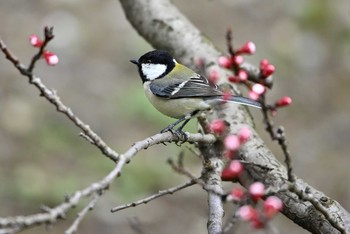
(134,62)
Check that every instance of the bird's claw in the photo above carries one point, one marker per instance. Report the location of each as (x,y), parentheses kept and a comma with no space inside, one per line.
(167,129)
(176,132)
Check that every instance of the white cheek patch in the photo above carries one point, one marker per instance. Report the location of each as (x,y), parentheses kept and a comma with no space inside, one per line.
(153,71)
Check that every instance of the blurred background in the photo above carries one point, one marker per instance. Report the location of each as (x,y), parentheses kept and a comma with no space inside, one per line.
(42,157)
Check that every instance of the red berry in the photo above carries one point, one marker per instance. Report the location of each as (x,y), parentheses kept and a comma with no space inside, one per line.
(242,75)
(237,194)
(237,60)
(284,101)
(231,142)
(35,41)
(217,126)
(247,213)
(272,205)
(231,172)
(268,70)
(256,190)
(258,89)
(244,134)
(253,95)
(225,62)
(248,48)
(233,79)
(236,167)
(50,58)
(264,63)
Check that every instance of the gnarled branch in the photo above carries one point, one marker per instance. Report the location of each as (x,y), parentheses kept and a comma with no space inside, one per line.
(164,27)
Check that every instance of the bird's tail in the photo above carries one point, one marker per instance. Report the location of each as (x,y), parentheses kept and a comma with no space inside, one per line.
(245,101)
(236,99)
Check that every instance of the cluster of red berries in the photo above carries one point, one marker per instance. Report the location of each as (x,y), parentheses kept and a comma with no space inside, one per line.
(231,144)
(257,86)
(50,58)
(255,206)
(259,211)
(257,216)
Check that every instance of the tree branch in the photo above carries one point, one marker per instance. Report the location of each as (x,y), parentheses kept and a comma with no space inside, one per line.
(154,196)
(74,227)
(211,175)
(164,27)
(52,97)
(52,215)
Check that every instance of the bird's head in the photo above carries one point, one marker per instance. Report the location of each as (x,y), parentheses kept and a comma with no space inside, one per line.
(154,64)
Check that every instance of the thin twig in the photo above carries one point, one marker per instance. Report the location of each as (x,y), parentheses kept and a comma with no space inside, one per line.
(230,224)
(48,36)
(52,96)
(229,43)
(193,151)
(52,215)
(179,168)
(177,32)
(85,137)
(279,136)
(74,227)
(154,196)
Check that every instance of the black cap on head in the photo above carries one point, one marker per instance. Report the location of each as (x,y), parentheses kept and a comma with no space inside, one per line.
(157,57)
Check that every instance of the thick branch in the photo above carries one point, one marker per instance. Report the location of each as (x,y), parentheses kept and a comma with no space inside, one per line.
(211,175)
(163,26)
(52,215)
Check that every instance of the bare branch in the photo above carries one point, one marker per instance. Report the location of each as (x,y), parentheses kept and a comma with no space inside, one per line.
(74,227)
(211,175)
(52,215)
(154,196)
(320,206)
(279,136)
(164,27)
(48,36)
(53,98)
(230,224)
(179,168)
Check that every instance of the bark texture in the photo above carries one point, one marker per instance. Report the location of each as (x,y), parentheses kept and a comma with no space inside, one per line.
(164,27)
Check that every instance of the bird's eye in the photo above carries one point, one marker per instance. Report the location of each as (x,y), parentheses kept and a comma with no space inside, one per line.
(148,61)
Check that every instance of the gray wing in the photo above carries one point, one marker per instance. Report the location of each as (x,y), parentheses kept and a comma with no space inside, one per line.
(194,87)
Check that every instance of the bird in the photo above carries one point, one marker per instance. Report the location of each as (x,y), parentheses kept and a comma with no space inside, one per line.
(177,91)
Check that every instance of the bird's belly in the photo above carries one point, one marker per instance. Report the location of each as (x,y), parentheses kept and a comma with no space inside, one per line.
(176,108)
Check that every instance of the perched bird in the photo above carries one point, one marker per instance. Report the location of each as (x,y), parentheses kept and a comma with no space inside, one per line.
(177,91)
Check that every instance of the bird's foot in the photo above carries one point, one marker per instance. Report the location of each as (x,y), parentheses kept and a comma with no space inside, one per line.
(176,132)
